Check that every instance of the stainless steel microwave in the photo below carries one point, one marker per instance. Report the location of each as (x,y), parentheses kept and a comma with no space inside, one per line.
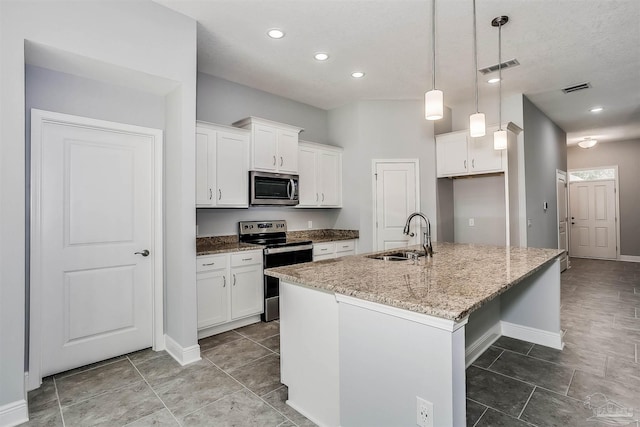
(267,188)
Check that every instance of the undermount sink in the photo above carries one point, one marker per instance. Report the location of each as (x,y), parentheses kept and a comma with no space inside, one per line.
(396,256)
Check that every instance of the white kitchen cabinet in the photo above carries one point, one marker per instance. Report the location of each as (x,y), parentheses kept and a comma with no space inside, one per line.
(458,154)
(222,166)
(274,146)
(320,175)
(336,249)
(229,289)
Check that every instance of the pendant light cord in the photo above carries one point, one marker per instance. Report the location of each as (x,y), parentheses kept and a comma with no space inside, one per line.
(475,52)
(500,74)
(433,43)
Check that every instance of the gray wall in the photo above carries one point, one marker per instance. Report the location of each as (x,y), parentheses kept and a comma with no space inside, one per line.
(381,130)
(224,102)
(545,150)
(624,154)
(481,198)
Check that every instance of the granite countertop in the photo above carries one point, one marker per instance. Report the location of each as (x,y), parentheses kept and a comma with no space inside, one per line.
(222,244)
(456,281)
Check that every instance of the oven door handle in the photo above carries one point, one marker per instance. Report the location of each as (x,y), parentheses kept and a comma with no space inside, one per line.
(285,249)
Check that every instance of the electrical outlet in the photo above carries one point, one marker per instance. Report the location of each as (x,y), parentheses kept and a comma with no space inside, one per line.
(425,413)
(472,222)
(309,224)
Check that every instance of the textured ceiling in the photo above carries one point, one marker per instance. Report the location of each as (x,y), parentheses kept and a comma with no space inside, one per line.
(557,42)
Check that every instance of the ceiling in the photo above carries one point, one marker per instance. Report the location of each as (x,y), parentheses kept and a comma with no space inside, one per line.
(558,43)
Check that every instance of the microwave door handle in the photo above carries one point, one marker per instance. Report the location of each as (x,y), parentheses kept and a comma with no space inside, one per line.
(289,188)
(294,189)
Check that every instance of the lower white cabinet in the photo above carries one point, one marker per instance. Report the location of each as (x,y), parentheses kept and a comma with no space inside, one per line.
(229,286)
(329,250)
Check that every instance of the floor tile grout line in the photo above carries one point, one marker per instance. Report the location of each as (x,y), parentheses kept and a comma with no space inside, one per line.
(101,365)
(118,388)
(486,408)
(566,393)
(497,410)
(214,402)
(256,342)
(245,364)
(494,360)
(255,394)
(538,358)
(518,379)
(58,399)
(527,402)
(154,392)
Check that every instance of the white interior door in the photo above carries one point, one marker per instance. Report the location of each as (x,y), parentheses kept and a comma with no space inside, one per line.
(396,192)
(96,196)
(563,215)
(593,219)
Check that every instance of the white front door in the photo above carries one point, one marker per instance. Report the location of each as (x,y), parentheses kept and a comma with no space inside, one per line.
(96,216)
(396,192)
(593,219)
(563,214)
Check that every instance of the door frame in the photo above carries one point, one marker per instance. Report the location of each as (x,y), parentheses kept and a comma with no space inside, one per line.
(616,188)
(374,163)
(38,119)
(563,174)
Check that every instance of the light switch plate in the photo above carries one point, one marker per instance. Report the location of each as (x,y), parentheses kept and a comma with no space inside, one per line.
(472,222)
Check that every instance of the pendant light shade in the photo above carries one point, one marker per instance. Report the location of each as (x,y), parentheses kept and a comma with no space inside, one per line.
(434,99)
(500,140)
(433,105)
(477,125)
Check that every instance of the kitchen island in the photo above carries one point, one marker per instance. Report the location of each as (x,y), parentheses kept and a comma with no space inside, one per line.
(362,338)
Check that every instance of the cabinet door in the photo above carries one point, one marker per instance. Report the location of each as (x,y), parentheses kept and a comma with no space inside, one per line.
(205,177)
(329,178)
(232,168)
(287,159)
(482,156)
(247,295)
(307,185)
(213,301)
(451,154)
(264,148)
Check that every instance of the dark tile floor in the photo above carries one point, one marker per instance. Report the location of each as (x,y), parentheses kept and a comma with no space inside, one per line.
(237,382)
(515,383)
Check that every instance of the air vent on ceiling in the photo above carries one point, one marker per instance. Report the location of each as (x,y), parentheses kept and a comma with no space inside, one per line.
(506,64)
(574,88)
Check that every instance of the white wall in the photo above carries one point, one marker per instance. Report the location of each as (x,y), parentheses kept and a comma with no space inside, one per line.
(141,37)
(381,130)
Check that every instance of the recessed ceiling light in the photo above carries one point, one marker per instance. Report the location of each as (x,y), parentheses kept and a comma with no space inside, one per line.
(321,56)
(275,33)
(357,74)
(596,109)
(494,80)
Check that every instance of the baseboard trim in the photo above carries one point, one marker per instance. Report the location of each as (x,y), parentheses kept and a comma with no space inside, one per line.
(629,258)
(536,336)
(183,355)
(14,413)
(473,351)
(214,330)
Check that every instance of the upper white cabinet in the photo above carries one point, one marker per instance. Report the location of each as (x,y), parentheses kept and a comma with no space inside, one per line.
(459,154)
(274,146)
(320,175)
(222,165)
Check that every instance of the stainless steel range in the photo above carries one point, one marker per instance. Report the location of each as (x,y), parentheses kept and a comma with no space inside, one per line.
(278,252)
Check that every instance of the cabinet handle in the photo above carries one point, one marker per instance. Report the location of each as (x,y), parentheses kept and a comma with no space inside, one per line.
(274,160)
(345,246)
(465,164)
(219,194)
(316,197)
(247,259)
(210,194)
(324,250)
(234,279)
(281,161)
(323,197)
(211,263)
(224,281)
(473,163)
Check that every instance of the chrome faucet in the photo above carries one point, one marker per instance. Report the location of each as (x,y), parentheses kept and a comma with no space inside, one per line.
(426,237)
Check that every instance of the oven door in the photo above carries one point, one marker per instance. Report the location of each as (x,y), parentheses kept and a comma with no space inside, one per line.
(273,189)
(272,284)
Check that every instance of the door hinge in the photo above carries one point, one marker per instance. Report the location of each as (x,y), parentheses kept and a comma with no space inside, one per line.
(376,224)
(376,175)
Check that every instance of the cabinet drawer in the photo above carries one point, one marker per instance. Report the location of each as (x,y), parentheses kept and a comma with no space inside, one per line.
(211,262)
(345,246)
(323,249)
(246,258)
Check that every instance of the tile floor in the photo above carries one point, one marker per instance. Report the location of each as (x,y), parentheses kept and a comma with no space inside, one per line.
(514,383)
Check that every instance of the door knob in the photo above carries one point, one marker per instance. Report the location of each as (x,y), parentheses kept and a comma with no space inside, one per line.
(412,234)
(143,253)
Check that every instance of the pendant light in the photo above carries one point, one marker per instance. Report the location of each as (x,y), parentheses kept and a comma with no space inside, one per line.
(433,100)
(500,136)
(476,121)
